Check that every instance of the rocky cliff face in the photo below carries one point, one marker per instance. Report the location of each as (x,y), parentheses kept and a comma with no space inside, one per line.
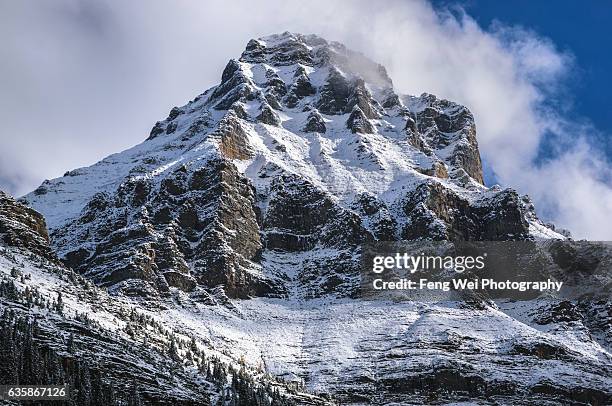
(22,227)
(265,187)
(147,238)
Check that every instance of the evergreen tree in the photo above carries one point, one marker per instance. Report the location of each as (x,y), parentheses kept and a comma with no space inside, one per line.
(24,361)
(83,384)
(70,345)
(59,306)
(134,397)
(173,351)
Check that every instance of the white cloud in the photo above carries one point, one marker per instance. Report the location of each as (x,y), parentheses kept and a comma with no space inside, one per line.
(84,79)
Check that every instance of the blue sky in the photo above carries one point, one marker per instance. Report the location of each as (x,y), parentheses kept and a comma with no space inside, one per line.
(583,29)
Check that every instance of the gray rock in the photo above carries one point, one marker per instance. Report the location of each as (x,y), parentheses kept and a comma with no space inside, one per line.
(24,228)
(315,123)
(358,122)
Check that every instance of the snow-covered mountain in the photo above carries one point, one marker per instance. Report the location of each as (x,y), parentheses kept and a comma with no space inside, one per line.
(303,147)
(240,221)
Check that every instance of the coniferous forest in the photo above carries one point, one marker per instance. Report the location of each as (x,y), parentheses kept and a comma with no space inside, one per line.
(26,359)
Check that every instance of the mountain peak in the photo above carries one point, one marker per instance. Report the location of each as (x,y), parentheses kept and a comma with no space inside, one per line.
(312,51)
(280,77)
(288,153)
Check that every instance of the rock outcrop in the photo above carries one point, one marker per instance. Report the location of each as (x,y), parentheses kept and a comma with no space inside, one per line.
(22,227)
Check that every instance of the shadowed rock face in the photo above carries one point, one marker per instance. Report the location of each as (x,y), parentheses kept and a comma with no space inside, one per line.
(502,218)
(335,93)
(22,227)
(440,125)
(299,217)
(197,227)
(315,123)
(358,122)
(268,116)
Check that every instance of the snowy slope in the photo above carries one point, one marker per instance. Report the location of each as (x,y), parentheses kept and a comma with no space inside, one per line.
(126,342)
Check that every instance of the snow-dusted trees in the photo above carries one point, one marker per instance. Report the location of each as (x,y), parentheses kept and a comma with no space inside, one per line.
(24,361)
